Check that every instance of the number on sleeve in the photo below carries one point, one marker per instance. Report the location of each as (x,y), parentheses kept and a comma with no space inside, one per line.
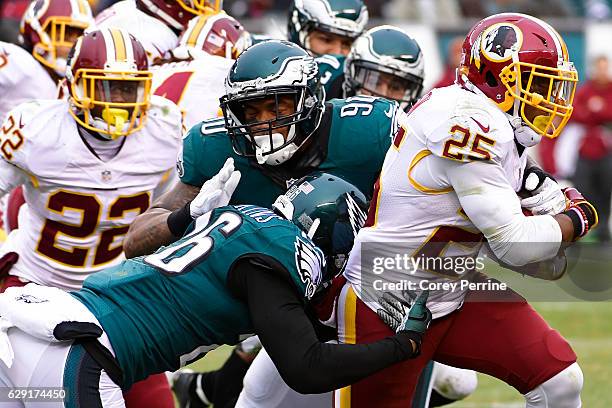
(181,258)
(12,138)
(453,148)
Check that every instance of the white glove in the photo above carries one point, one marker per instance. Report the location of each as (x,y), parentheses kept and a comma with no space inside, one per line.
(217,191)
(546,199)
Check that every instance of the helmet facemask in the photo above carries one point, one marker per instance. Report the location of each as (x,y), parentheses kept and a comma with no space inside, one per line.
(272,141)
(385,82)
(198,7)
(112,103)
(543,96)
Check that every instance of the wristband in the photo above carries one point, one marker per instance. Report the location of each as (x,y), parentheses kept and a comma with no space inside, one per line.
(179,220)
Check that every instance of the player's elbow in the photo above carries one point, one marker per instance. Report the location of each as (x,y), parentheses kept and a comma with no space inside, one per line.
(303,380)
(525,240)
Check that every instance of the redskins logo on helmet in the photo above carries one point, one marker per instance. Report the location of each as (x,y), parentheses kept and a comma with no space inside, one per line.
(522,64)
(49,28)
(213,34)
(109,82)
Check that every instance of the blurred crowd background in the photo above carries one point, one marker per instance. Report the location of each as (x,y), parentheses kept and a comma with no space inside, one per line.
(582,155)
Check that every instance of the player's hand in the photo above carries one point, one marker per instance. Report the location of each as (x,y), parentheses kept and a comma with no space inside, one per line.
(404,314)
(217,191)
(545,193)
(583,213)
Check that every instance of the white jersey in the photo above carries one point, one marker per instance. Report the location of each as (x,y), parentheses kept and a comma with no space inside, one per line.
(155,36)
(22,78)
(195,86)
(78,207)
(421,206)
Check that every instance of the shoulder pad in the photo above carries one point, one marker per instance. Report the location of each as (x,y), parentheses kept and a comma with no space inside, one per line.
(462,126)
(211,127)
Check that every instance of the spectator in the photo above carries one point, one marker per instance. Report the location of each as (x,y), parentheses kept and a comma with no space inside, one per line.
(11,12)
(453,57)
(594,165)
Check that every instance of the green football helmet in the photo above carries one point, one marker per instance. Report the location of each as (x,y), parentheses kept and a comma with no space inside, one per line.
(386,58)
(272,70)
(347,18)
(330,211)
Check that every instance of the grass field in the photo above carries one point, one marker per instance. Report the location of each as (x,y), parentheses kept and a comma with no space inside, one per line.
(586,325)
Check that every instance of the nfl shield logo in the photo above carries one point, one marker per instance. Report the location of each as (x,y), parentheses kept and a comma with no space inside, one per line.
(106,176)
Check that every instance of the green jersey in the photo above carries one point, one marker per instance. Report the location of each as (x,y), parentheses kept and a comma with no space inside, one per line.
(167,309)
(331,71)
(353,138)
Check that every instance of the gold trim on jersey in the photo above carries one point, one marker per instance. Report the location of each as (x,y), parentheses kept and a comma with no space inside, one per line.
(64,208)
(418,186)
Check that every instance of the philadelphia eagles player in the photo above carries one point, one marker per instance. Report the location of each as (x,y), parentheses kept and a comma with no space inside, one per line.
(277,127)
(384,61)
(238,270)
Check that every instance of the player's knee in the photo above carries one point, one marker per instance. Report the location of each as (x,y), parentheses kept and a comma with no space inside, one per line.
(454,383)
(560,391)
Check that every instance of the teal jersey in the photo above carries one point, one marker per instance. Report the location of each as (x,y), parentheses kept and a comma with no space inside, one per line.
(331,71)
(167,309)
(355,133)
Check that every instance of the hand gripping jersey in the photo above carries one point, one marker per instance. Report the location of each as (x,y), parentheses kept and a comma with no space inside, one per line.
(156,37)
(331,70)
(355,134)
(168,309)
(78,206)
(22,78)
(195,86)
(416,210)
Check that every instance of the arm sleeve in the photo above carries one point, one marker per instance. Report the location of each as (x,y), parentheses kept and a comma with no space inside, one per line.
(10,177)
(494,208)
(306,364)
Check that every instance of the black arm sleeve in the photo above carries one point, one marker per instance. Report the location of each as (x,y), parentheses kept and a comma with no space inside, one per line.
(307,365)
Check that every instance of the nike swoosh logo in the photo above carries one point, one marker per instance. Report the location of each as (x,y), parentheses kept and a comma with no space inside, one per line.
(484,129)
(388,113)
(21,124)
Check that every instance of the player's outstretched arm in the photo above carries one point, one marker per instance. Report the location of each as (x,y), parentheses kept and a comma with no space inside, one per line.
(150,229)
(174,211)
(306,364)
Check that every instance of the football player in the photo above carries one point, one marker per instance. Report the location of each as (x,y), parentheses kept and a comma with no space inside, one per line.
(48,30)
(277,128)
(326,26)
(449,182)
(155,23)
(327,30)
(239,270)
(193,77)
(88,164)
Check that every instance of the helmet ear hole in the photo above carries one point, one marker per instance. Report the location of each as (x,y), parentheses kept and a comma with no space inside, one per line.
(490,78)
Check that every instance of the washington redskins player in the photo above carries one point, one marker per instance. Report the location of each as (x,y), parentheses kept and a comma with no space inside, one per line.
(82,163)
(449,181)
(155,23)
(193,77)
(48,30)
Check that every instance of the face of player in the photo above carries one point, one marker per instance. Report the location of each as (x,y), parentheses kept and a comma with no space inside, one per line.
(386,85)
(265,109)
(321,42)
(117,92)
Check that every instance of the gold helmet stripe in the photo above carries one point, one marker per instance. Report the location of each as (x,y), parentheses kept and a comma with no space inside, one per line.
(192,39)
(119,43)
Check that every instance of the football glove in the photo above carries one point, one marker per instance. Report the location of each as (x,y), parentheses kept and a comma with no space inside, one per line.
(217,191)
(545,194)
(404,314)
(582,213)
